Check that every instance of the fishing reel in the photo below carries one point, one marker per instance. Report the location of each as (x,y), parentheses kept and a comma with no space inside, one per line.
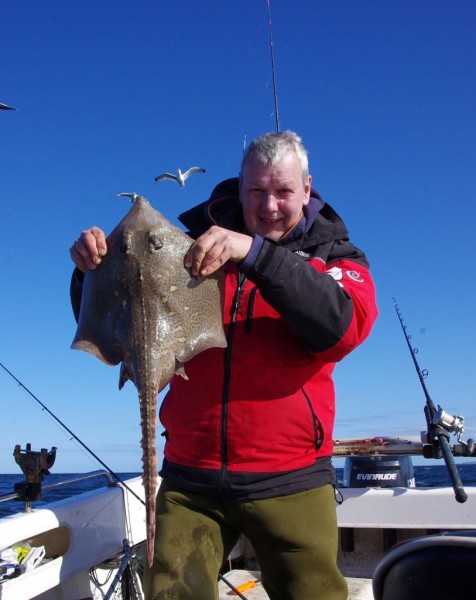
(441,423)
(452,424)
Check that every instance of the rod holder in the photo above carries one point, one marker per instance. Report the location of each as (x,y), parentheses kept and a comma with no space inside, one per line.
(35,465)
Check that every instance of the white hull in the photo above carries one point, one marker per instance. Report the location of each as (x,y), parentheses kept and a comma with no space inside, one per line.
(78,534)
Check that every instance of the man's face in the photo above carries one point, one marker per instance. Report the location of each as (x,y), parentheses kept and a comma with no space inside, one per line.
(273,195)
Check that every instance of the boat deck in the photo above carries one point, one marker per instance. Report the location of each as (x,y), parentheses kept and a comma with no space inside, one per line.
(359,589)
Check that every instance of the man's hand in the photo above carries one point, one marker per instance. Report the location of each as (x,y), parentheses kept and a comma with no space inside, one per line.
(88,250)
(214,248)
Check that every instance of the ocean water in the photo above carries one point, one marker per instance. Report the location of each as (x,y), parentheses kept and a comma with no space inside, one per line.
(425,476)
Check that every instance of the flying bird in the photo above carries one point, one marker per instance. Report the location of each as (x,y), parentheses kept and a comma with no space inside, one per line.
(180,177)
(132,195)
(5,106)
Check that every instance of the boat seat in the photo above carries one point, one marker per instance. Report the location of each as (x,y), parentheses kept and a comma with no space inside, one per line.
(439,567)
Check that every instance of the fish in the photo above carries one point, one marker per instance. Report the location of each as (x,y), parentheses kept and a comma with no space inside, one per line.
(180,177)
(142,309)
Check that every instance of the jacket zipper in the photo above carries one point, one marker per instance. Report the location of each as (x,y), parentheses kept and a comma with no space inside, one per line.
(318,433)
(226,379)
(249,311)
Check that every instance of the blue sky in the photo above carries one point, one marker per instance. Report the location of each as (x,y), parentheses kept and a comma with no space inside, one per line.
(110,94)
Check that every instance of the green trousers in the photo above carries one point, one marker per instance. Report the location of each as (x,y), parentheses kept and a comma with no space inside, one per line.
(294,538)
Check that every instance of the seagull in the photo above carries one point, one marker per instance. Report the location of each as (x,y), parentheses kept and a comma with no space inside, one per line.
(180,177)
(5,106)
(132,195)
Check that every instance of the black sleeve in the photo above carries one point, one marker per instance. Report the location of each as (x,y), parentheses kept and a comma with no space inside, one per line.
(315,307)
(75,290)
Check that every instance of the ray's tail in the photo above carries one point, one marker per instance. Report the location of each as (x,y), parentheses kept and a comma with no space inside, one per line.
(148,414)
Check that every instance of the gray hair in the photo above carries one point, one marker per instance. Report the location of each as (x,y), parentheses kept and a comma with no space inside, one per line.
(271,148)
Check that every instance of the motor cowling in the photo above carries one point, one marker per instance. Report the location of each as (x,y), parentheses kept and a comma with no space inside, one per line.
(379,471)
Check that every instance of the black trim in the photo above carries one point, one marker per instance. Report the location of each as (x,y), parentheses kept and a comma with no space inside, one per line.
(227,376)
(250,309)
(243,486)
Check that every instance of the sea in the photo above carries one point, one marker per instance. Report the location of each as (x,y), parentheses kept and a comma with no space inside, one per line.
(425,476)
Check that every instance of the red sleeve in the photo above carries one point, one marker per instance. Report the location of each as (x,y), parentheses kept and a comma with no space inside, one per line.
(357,282)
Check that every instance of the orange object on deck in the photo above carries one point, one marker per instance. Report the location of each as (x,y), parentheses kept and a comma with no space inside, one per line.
(245,586)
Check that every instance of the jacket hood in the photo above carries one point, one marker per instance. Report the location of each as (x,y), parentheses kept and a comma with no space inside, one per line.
(223,208)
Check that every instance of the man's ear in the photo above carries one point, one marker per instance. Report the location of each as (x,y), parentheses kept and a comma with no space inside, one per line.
(307,190)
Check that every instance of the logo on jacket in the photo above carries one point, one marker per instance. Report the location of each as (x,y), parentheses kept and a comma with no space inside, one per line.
(337,274)
(303,254)
(355,275)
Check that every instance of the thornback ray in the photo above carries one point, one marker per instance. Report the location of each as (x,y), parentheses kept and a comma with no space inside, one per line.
(141,308)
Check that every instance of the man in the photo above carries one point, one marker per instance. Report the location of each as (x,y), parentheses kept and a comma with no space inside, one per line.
(249,434)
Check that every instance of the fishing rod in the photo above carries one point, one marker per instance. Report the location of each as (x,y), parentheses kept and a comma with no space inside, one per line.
(439,424)
(273,68)
(44,407)
(273,71)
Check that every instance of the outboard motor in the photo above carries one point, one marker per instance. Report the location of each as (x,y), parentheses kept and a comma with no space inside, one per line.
(379,471)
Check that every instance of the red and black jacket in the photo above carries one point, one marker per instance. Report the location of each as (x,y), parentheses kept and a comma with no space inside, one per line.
(255,420)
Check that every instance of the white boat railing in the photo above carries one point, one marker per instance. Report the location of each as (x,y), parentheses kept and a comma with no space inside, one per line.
(78,533)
